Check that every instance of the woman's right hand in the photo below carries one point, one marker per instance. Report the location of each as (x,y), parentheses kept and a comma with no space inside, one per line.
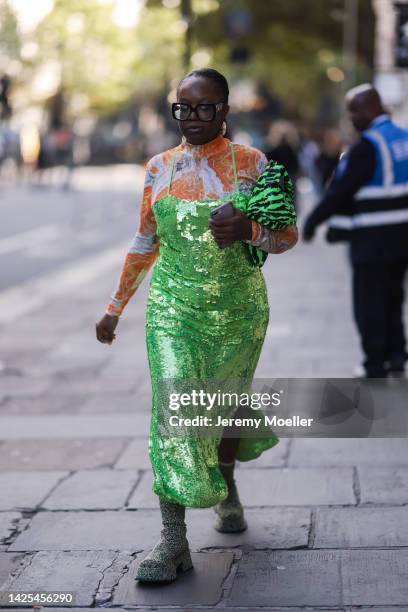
(105,328)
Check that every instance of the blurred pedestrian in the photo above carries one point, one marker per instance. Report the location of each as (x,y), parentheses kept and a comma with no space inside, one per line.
(5,107)
(63,146)
(282,146)
(368,202)
(45,158)
(328,158)
(309,151)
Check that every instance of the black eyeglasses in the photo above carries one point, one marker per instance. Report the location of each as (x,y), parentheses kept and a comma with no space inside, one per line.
(205,112)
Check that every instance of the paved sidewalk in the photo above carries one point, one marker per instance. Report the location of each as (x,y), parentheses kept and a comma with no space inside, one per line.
(328,521)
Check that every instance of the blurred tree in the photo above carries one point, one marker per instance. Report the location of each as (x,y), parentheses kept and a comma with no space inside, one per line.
(104,65)
(288,46)
(9,55)
(9,37)
(292,48)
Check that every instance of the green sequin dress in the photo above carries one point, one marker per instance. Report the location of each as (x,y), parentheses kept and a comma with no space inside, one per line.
(206,318)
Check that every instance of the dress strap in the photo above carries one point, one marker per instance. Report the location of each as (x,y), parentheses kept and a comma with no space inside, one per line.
(172,162)
(234,168)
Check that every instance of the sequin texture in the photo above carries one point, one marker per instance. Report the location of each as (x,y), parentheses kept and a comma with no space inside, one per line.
(206,318)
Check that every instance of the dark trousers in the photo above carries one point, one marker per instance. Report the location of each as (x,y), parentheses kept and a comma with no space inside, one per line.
(378,296)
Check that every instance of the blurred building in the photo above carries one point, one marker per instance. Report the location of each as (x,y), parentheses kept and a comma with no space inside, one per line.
(391,56)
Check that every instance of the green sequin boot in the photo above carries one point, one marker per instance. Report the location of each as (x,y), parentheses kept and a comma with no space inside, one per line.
(229,513)
(171,551)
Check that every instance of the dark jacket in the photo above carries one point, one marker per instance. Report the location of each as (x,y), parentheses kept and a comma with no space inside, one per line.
(361,195)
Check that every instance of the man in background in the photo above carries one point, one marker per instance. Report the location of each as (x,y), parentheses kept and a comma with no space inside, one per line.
(368,201)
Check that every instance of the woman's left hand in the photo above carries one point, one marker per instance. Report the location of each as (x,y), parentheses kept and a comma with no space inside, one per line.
(226,231)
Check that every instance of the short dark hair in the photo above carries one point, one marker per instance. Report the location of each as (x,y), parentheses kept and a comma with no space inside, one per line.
(209,73)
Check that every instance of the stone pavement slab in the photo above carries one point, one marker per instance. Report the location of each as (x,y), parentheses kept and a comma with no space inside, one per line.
(267,528)
(23,386)
(143,496)
(349,451)
(380,608)
(28,455)
(375,577)
(56,322)
(44,404)
(190,608)
(383,485)
(120,402)
(140,530)
(273,457)
(8,522)
(74,426)
(9,564)
(124,378)
(130,349)
(206,609)
(82,530)
(281,578)
(361,527)
(202,585)
(14,338)
(85,381)
(78,571)
(274,487)
(316,282)
(321,578)
(101,489)
(81,348)
(26,490)
(135,456)
(296,486)
(109,385)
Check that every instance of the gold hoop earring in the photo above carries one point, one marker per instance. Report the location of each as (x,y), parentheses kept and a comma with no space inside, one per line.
(224,128)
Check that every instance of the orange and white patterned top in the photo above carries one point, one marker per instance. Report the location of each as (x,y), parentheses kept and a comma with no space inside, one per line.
(200,172)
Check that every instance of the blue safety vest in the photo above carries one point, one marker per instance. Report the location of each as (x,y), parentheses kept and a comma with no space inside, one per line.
(376,220)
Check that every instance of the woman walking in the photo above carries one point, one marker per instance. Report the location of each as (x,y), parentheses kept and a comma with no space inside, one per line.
(207,310)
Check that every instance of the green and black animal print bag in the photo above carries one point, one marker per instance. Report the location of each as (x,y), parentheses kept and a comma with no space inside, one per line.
(272,204)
